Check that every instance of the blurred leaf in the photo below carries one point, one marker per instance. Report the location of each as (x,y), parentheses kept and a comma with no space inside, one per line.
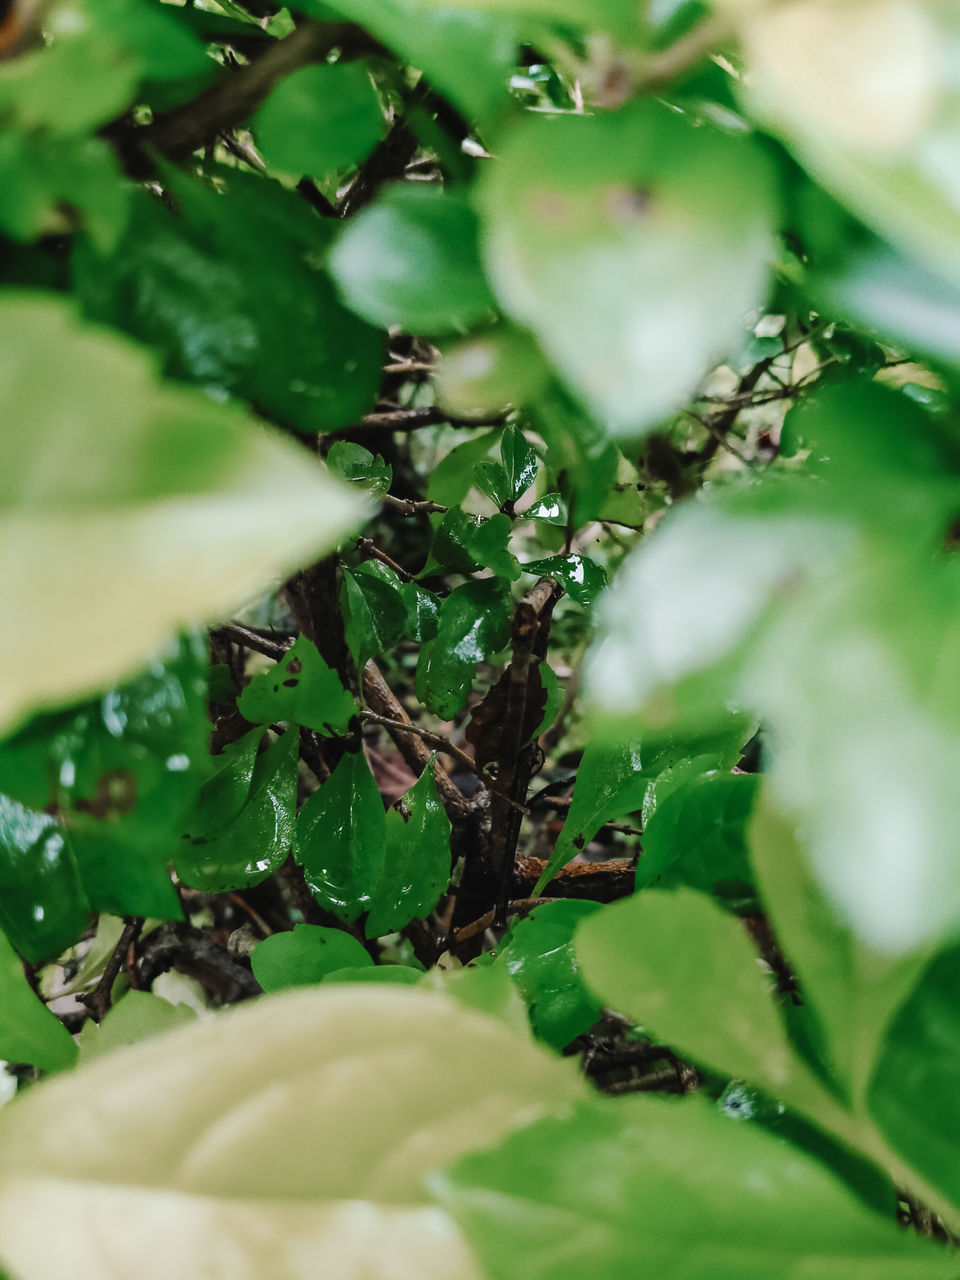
(392,974)
(679,964)
(698,837)
(596,238)
(411,259)
(72,87)
(417,862)
(671,1188)
(610,783)
(618,16)
(320,119)
(474,623)
(300,688)
(133,477)
(243,825)
(540,958)
(485,374)
(581,578)
(913,1094)
(388,1084)
(28,1030)
(137,1016)
(374,609)
(43,906)
(229,291)
(342,839)
(465,55)
(304,956)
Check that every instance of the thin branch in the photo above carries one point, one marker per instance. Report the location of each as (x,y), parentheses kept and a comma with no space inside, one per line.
(371,551)
(99,999)
(237,633)
(435,740)
(660,69)
(408,507)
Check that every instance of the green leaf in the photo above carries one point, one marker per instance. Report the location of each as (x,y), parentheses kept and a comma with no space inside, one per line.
(43,906)
(610,783)
(136,1017)
(464,542)
(375,611)
(242,826)
(912,1094)
(646,1186)
(320,119)
(706,996)
(520,461)
(698,837)
(486,374)
(550,509)
(41,174)
(554,699)
(122,876)
(392,974)
(582,578)
(72,87)
(304,956)
(165,471)
(466,56)
(540,958)
(28,1030)
(412,259)
(231,294)
(423,611)
(598,239)
(452,477)
(300,688)
(474,623)
(366,470)
(387,1084)
(417,863)
(617,16)
(342,838)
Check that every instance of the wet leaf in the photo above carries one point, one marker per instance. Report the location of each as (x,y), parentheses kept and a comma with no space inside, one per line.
(474,623)
(300,688)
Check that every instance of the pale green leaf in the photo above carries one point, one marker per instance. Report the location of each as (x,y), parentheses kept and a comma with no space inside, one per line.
(28,1030)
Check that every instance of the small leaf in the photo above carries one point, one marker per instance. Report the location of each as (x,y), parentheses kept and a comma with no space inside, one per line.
(411,259)
(423,611)
(28,1030)
(366,470)
(300,688)
(582,578)
(342,839)
(304,956)
(417,862)
(319,119)
(474,623)
(520,460)
(137,1016)
(374,610)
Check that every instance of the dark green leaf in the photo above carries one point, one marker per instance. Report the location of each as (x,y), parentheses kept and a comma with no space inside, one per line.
(243,825)
(540,958)
(411,259)
(320,119)
(342,839)
(520,460)
(474,623)
(300,688)
(307,955)
(423,611)
(464,542)
(28,1030)
(646,1186)
(452,477)
(582,578)
(374,609)
(417,863)
(366,470)
(121,876)
(43,906)
(491,479)
(698,837)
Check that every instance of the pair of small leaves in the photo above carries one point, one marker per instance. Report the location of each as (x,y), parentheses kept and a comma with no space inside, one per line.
(464,542)
(508,480)
(472,625)
(358,859)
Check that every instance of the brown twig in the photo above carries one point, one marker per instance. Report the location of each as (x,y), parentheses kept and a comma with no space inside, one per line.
(518,906)
(410,507)
(98,1001)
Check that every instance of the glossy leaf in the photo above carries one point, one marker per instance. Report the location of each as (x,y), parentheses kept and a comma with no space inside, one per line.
(162,467)
(464,542)
(28,1030)
(912,1093)
(342,839)
(632,957)
(304,956)
(473,624)
(412,259)
(43,905)
(375,612)
(582,578)
(320,119)
(596,239)
(300,688)
(231,294)
(366,470)
(540,958)
(698,837)
(610,783)
(423,611)
(242,826)
(416,868)
(650,1186)
(388,1084)
(520,461)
